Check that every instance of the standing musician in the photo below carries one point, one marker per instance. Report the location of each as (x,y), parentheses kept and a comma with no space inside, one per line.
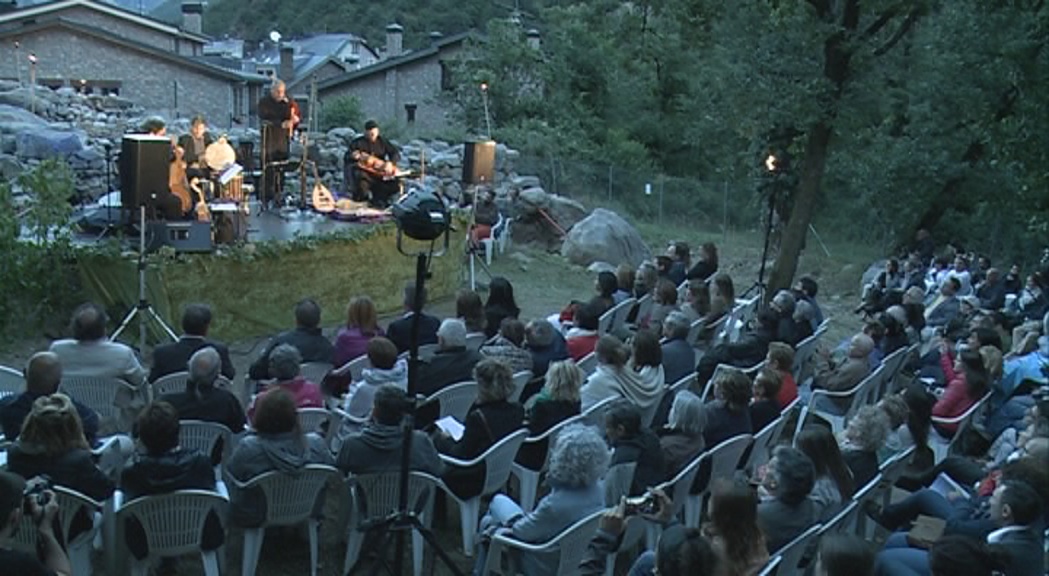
(371,163)
(175,202)
(193,145)
(279,115)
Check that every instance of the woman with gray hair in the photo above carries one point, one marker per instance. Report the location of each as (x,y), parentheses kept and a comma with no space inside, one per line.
(491,418)
(284,368)
(682,439)
(860,442)
(578,460)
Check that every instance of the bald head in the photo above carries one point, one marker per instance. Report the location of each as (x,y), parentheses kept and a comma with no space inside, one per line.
(43,373)
(861,346)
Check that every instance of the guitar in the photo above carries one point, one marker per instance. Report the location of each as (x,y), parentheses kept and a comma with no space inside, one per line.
(323,201)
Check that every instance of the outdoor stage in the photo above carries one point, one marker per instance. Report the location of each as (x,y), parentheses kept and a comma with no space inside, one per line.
(253,286)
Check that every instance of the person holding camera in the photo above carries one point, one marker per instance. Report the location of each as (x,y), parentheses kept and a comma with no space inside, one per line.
(41,506)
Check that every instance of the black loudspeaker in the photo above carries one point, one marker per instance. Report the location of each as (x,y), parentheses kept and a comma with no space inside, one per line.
(144,164)
(479,162)
(188,236)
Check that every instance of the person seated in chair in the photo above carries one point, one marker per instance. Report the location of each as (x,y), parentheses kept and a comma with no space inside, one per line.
(50,558)
(452,363)
(202,400)
(399,331)
(371,163)
(379,445)
(43,374)
(486,216)
(285,368)
(307,338)
(171,358)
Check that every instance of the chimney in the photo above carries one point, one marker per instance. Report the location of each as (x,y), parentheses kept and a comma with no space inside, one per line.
(533,39)
(286,70)
(394,37)
(435,37)
(192,14)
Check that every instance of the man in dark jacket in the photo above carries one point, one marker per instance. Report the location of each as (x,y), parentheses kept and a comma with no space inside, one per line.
(203,401)
(306,338)
(632,443)
(371,163)
(172,358)
(452,363)
(400,331)
(750,349)
(991,291)
(378,447)
(679,359)
(546,344)
(43,373)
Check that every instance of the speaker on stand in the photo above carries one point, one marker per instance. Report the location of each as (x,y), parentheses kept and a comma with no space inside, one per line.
(479,162)
(144,164)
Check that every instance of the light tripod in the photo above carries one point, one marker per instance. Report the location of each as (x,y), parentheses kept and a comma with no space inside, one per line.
(143,306)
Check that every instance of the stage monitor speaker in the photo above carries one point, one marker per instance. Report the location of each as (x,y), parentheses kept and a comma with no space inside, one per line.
(144,164)
(188,236)
(479,162)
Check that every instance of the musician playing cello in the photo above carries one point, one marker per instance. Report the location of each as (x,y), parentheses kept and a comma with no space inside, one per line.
(279,115)
(371,163)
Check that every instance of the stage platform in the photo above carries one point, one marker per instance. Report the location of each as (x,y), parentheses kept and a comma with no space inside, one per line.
(253,286)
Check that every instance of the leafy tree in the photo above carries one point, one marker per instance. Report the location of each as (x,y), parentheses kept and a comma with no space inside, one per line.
(340,112)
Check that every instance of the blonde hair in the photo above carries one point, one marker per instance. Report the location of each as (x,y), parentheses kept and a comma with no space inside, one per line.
(992,361)
(361,314)
(563,380)
(53,427)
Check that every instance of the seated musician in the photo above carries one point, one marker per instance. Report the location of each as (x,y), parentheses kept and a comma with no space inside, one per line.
(372,163)
(194,144)
(167,204)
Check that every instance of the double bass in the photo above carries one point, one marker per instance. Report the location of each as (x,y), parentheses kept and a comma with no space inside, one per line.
(177,181)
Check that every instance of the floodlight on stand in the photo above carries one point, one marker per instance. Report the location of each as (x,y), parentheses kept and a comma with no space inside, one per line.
(423,216)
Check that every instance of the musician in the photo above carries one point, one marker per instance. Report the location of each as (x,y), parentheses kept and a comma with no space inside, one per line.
(279,117)
(193,145)
(375,185)
(165,204)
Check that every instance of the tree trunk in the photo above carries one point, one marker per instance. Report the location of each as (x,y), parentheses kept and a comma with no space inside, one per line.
(786,264)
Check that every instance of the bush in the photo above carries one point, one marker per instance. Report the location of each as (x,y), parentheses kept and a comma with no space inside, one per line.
(341,112)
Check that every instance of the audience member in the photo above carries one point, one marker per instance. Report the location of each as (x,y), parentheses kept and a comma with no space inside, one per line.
(202,400)
(723,300)
(500,304)
(491,418)
(749,350)
(895,322)
(307,338)
(1031,303)
(165,467)
(645,280)
(172,357)
(960,556)
(546,345)
(733,528)
(945,306)
(960,272)
(470,309)
(362,324)
(400,330)
(385,368)
(682,439)
(285,369)
(558,400)
(452,363)
(276,443)
(806,288)
(43,374)
(679,359)
(834,484)
(640,380)
(729,414)
(707,264)
(780,358)
(764,408)
(1013,280)
(664,301)
(624,283)
(631,442)
(50,558)
(844,555)
(788,511)
(508,346)
(378,447)
(846,374)
(787,329)
(578,459)
(606,286)
(582,337)
(804,316)
(698,306)
(680,262)
(863,437)
(967,381)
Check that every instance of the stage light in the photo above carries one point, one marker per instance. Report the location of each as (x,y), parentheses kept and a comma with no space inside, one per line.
(484,86)
(771,163)
(275,37)
(32,58)
(421,215)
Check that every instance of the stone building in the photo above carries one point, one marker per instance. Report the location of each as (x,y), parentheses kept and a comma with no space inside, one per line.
(98,47)
(405,87)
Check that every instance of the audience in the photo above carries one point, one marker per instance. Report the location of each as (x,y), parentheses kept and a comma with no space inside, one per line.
(491,418)
(378,447)
(729,414)
(400,331)
(733,528)
(386,368)
(844,555)
(582,336)
(509,346)
(545,344)
(682,439)
(679,358)
(172,357)
(633,443)
(578,459)
(50,557)
(470,309)
(43,374)
(707,265)
(276,443)
(558,400)
(452,363)
(500,305)
(307,338)
(285,369)
(362,324)
(780,359)
(834,485)
(764,408)
(202,400)
(788,511)
(863,437)
(640,380)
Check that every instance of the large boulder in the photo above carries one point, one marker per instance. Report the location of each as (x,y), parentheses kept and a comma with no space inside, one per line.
(604,236)
(42,144)
(14,119)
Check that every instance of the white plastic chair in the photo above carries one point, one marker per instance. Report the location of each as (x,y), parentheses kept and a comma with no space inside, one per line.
(172,525)
(772,567)
(615,317)
(11,381)
(70,502)
(475,340)
(618,481)
(289,500)
(176,382)
(858,396)
(802,354)
(98,394)
(570,546)
(588,363)
(315,371)
(893,364)
(355,368)
(595,415)
(676,489)
(724,460)
(317,420)
(792,552)
(683,384)
(749,371)
(373,497)
(941,446)
(521,379)
(644,308)
(497,460)
(649,414)
(870,492)
(527,478)
(454,400)
(499,238)
(204,436)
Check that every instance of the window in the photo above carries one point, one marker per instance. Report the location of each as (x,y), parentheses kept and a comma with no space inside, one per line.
(446,77)
(409,109)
